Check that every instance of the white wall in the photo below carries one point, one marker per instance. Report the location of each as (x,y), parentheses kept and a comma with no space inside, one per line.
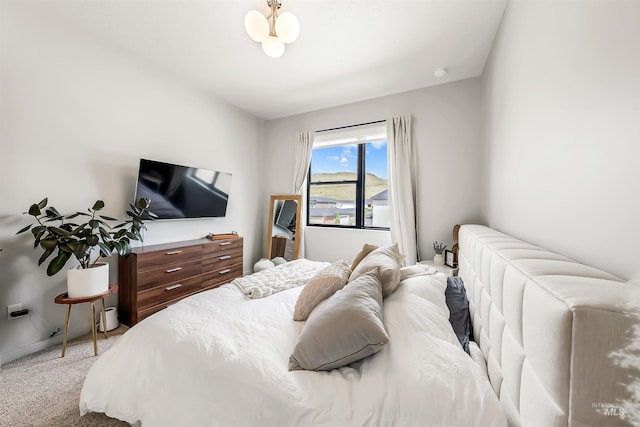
(334,244)
(562,97)
(447,134)
(77,115)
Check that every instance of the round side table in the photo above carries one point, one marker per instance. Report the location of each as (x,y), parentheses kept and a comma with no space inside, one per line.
(64,299)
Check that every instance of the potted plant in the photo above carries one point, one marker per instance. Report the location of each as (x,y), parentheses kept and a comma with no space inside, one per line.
(61,235)
(438,258)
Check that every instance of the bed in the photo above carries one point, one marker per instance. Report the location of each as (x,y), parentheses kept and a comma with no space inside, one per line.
(549,336)
(220,358)
(552,331)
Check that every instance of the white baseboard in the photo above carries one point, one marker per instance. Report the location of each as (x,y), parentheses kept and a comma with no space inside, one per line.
(39,345)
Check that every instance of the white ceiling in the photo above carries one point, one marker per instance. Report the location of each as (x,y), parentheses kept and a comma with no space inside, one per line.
(347,51)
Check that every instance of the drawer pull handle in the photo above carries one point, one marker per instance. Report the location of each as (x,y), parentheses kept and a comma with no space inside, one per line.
(224,271)
(225,243)
(173,270)
(222,258)
(173,252)
(170,288)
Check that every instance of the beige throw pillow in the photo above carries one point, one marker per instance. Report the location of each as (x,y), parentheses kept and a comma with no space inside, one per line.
(366,250)
(321,286)
(387,259)
(342,329)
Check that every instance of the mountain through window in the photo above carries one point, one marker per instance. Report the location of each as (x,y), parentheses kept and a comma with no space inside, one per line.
(348,178)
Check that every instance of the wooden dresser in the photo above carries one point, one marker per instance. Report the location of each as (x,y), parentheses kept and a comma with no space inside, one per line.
(154,277)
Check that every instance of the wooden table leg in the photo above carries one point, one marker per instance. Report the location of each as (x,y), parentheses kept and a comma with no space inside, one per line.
(104,319)
(66,329)
(93,328)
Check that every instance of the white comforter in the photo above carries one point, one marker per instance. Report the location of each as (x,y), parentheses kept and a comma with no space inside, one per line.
(221,359)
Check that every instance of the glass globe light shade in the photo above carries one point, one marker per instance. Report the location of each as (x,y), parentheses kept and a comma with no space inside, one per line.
(273,47)
(287,27)
(256,25)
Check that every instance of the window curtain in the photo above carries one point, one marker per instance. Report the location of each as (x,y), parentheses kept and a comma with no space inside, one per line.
(402,187)
(304,147)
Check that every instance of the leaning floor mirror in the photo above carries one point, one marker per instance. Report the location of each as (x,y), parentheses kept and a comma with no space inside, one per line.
(284,222)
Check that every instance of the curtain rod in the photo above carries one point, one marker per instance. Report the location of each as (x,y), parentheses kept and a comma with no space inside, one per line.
(351,126)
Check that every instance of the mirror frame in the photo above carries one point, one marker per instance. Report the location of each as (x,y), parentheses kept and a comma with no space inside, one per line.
(272,202)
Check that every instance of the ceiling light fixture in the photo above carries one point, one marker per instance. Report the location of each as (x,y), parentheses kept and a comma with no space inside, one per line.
(274,30)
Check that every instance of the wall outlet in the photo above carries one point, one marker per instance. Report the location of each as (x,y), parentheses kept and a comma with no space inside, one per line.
(11,309)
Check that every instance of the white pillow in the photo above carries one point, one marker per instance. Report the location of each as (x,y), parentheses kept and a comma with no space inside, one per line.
(416,270)
(263,264)
(366,250)
(386,260)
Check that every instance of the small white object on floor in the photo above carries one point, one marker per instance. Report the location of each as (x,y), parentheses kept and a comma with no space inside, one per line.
(112,319)
(263,264)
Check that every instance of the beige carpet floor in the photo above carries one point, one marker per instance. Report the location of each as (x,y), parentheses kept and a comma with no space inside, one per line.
(43,389)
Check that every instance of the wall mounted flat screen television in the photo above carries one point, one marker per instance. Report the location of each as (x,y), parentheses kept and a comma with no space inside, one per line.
(287,216)
(181,191)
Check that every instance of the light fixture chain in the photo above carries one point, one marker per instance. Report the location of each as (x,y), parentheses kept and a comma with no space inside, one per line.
(274,5)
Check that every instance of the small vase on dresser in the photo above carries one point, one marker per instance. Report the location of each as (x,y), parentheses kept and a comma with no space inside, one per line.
(438,248)
(438,259)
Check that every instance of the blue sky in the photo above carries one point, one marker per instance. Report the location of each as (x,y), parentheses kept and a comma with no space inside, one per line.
(343,158)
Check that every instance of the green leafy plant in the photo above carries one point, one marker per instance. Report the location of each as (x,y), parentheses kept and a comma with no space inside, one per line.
(439,247)
(55,232)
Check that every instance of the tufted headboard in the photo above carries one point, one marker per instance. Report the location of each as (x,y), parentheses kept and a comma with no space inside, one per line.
(547,327)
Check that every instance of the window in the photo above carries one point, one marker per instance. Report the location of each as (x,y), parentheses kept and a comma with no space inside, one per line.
(347,185)
(213,180)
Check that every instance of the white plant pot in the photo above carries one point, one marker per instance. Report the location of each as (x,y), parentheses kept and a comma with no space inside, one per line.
(438,259)
(87,282)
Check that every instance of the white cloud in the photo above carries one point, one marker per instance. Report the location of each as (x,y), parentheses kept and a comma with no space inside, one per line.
(379,144)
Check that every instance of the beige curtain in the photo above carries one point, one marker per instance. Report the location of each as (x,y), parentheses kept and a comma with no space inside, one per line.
(304,147)
(402,187)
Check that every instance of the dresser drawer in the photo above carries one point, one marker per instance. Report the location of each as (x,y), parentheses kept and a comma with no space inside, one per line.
(221,259)
(221,276)
(167,274)
(168,292)
(149,311)
(219,246)
(156,308)
(168,257)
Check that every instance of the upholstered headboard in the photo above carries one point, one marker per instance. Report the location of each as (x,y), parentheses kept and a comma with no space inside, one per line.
(547,327)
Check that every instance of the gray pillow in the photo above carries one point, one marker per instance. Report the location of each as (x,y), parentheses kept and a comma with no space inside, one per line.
(459,316)
(343,328)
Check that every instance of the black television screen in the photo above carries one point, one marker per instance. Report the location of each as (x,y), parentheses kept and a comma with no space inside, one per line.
(287,216)
(181,191)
